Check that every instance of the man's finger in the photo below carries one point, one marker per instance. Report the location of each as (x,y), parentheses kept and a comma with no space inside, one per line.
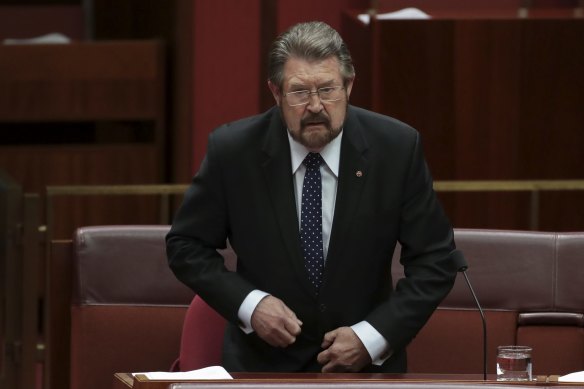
(288,340)
(323,357)
(292,327)
(330,368)
(328,339)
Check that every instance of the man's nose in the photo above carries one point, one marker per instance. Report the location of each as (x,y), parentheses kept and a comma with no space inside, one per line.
(314,103)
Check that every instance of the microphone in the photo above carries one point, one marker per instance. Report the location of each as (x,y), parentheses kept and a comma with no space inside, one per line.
(461,266)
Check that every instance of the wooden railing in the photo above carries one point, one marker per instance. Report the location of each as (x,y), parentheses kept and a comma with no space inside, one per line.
(534,187)
(165,191)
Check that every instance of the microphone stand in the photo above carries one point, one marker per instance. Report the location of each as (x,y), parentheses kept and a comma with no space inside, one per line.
(462,266)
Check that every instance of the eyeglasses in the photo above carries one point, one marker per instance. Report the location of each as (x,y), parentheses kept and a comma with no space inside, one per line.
(328,94)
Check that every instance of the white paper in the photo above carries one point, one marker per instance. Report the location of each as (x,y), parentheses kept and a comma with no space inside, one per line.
(573,377)
(406,13)
(207,373)
(52,38)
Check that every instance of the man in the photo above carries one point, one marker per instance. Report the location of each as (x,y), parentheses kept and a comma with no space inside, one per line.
(314,237)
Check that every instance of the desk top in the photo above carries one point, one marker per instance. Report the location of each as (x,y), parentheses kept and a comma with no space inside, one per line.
(336,380)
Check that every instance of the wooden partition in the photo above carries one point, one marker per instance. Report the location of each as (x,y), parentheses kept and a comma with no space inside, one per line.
(48,276)
(84,113)
(21,283)
(494,99)
(10,291)
(485,8)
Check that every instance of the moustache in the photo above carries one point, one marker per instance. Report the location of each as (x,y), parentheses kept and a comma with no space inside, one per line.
(314,118)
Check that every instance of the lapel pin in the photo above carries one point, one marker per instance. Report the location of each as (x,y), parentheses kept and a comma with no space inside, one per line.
(359,173)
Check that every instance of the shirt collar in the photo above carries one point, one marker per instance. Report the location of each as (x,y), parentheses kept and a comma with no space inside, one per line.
(331,153)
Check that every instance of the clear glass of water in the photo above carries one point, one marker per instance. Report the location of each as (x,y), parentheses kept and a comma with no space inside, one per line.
(514,363)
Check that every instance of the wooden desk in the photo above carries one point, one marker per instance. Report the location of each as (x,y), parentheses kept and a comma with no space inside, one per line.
(336,380)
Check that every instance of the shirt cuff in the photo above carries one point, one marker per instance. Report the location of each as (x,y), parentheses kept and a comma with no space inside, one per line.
(247,307)
(376,345)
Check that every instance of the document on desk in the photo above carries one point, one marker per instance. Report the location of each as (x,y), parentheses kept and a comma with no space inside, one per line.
(52,38)
(207,373)
(406,13)
(577,376)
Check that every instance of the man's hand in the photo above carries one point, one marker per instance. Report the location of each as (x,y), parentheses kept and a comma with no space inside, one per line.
(343,352)
(275,323)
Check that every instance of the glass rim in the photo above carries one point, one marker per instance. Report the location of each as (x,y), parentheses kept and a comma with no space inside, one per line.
(308,102)
(515,348)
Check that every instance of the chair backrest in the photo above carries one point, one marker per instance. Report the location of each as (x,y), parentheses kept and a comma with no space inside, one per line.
(202,337)
(527,283)
(202,334)
(128,307)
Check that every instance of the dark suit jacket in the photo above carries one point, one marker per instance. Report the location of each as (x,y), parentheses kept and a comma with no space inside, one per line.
(244,193)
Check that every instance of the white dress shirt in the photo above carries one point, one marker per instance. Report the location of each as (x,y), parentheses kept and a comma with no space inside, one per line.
(374,342)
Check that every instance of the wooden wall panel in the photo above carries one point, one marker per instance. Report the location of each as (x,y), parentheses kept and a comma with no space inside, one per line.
(552,99)
(486,100)
(226,74)
(107,81)
(172,22)
(84,113)
(25,21)
(38,166)
(497,99)
(360,44)
(415,79)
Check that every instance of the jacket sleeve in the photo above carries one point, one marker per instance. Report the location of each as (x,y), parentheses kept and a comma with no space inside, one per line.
(199,228)
(427,241)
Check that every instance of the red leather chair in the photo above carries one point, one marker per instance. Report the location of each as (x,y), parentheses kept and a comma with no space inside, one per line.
(202,337)
(202,333)
(127,307)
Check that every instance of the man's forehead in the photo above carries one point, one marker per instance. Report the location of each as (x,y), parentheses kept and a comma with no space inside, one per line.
(300,71)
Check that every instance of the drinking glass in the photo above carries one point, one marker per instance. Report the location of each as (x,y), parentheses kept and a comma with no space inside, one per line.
(514,363)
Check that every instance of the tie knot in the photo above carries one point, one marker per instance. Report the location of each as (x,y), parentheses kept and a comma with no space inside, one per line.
(312,161)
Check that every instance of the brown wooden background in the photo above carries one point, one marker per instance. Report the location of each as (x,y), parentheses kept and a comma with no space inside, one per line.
(133,99)
(495,99)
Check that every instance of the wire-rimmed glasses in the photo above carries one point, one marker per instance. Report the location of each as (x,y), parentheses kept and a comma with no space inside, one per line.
(327,94)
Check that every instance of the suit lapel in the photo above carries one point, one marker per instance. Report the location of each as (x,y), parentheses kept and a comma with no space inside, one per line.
(353,173)
(277,169)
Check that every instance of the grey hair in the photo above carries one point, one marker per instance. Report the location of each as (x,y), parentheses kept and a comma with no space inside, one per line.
(310,41)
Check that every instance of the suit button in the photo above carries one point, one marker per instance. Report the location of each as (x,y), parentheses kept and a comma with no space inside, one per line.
(322,307)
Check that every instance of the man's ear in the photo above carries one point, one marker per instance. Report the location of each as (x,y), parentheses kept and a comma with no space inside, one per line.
(349,87)
(275,92)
